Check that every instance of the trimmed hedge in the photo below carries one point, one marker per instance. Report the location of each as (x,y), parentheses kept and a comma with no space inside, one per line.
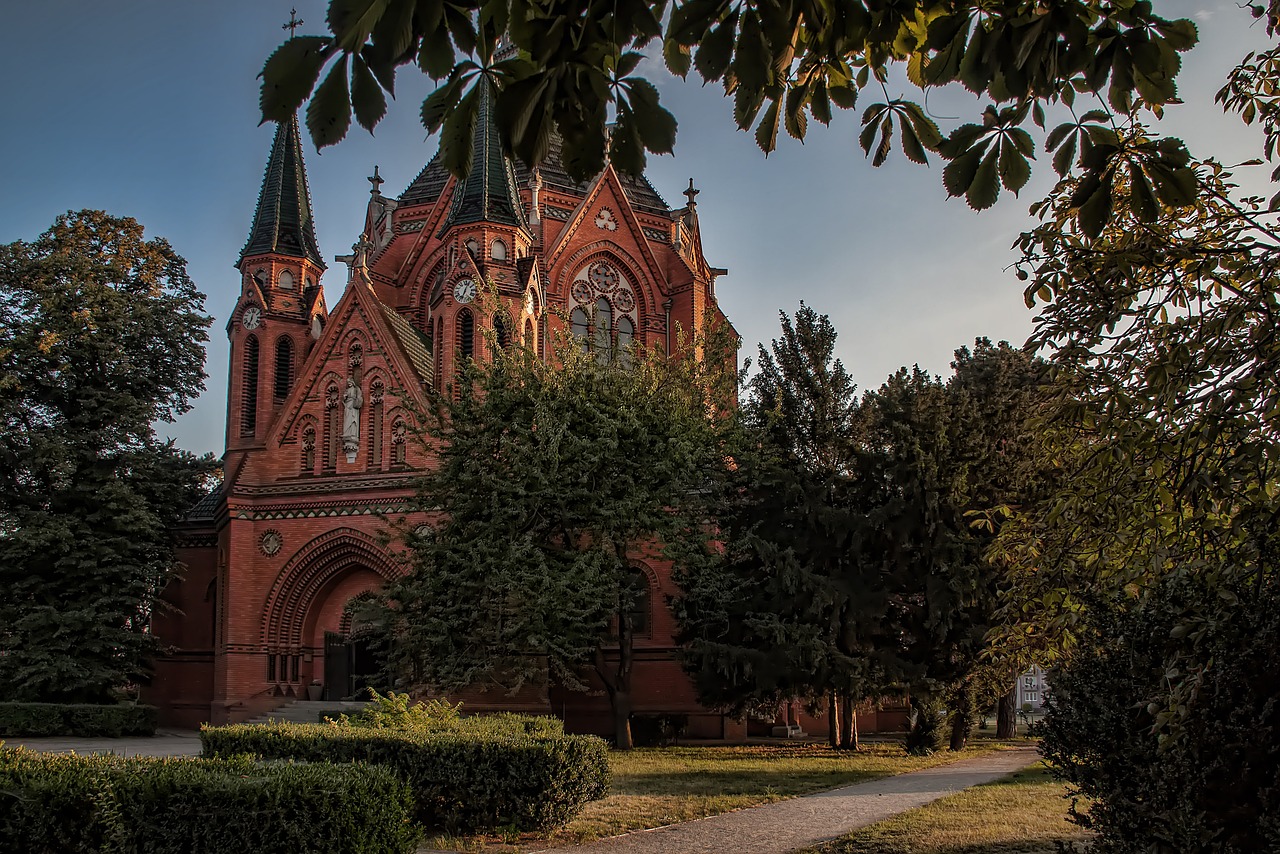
(460,781)
(68,804)
(75,719)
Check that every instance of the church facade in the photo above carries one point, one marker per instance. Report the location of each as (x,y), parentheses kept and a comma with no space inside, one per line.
(321,405)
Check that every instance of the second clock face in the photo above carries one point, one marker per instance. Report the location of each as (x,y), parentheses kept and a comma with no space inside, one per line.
(464,290)
(251,317)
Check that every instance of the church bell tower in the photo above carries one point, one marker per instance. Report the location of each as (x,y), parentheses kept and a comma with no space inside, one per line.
(281,310)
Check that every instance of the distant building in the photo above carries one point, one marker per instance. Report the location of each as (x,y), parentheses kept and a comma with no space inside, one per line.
(1032,688)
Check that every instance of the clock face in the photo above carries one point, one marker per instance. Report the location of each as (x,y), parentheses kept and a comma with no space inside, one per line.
(464,290)
(251,317)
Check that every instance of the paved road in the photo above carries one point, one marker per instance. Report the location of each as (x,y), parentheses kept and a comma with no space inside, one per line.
(813,819)
(166,742)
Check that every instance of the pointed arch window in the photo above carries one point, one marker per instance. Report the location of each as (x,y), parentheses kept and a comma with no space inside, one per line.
(578,321)
(438,346)
(604,330)
(377,391)
(249,388)
(466,334)
(499,252)
(528,334)
(332,427)
(285,280)
(309,450)
(284,368)
(502,330)
(399,437)
(626,334)
(641,600)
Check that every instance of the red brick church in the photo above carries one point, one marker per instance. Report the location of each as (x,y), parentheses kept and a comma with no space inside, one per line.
(321,402)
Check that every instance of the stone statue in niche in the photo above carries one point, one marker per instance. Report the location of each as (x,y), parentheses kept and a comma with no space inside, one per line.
(352,401)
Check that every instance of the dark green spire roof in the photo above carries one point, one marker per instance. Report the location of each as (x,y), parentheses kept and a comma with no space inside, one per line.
(489,193)
(283,223)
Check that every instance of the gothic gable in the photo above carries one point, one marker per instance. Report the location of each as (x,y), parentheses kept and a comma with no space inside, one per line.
(386,361)
(605,216)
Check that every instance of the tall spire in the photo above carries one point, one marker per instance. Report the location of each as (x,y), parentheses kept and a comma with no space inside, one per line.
(489,193)
(282,223)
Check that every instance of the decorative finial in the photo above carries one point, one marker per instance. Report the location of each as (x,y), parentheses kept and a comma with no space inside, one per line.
(376,180)
(294,22)
(691,194)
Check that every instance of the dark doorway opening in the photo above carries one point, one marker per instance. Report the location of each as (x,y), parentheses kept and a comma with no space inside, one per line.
(351,665)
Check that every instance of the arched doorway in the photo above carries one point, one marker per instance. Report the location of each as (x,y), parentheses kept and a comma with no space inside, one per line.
(307,613)
(355,655)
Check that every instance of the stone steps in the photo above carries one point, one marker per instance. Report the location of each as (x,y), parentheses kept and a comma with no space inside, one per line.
(308,711)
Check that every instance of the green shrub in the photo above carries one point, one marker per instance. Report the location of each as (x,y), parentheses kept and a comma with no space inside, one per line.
(1211,784)
(68,804)
(925,729)
(470,780)
(74,719)
(397,712)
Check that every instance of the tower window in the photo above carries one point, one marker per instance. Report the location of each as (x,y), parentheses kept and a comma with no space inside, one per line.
(502,330)
(286,280)
(499,252)
(284,368)
(466,334)
(249,388)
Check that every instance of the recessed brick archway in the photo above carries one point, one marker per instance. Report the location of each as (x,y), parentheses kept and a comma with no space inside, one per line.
(309,574)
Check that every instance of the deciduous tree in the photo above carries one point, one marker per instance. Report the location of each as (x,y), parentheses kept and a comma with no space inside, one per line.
(554,480)
(784,62)
(101,335)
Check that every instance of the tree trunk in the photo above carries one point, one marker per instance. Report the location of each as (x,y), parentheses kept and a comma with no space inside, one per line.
(622,720)
(962,719)
(833,720)
(1007,714)
(618,682)
(849,724)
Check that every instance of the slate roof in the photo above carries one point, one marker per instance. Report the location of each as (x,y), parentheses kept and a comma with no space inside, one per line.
(206,509)
(416,345)
(429,184)
(488,193)
(639,191)
(282,223)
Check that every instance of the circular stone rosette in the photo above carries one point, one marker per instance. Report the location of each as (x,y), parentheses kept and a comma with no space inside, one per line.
(604,278)
(270,543)
(582,292)
(624,300)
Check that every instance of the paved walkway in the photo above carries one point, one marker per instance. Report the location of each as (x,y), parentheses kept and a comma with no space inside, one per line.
(768,829)
(166,742)
(813,819)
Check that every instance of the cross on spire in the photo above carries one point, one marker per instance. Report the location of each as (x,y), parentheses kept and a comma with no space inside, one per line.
(376,180)
(294,23)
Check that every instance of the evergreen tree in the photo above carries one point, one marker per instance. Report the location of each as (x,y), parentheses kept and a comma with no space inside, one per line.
(553,480)
(101,335)
(781,610)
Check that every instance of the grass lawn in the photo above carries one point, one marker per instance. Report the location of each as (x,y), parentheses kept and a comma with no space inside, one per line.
(658,786)
(1024,813)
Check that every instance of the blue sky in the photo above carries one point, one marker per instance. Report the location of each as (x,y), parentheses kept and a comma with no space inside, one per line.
(148,108)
